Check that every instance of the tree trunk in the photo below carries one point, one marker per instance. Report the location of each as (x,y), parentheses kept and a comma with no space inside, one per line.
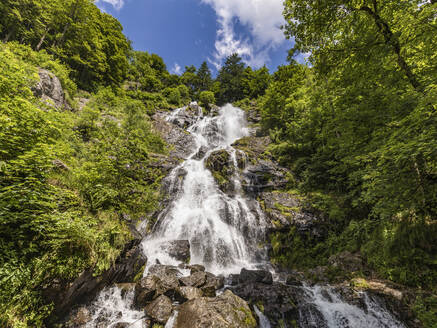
(38,46)
(391,40)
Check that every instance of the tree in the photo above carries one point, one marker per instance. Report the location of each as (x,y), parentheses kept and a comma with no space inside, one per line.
(204,79)
(189,78)
(255,82)
(231,80)
(206,98)
(332,30)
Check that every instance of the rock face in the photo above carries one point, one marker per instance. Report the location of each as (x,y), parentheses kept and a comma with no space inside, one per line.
(261,276)
(49,88)
(179,249)
(64,295)
(183,143)
(224,311)
(277,301)
(222,170)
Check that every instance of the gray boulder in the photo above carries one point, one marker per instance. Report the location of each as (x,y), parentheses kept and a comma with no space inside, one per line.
(49,89)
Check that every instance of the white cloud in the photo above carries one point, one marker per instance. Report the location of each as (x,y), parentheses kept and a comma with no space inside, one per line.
(117,4)
(263,18)
(176,69)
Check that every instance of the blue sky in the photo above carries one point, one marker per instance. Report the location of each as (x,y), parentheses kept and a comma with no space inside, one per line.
(187,32)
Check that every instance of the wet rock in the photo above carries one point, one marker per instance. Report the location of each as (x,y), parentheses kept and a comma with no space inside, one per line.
(224,311)
(147,289)
(212,284)
(178,249)
(247,276)
(216,281)
(201,153)
(49,89)
(263,175)
(279,302)
(219,163)
(160,309)
(232,280)
(189,293)
(126,288)
(197,279)
(160,270)
(196,268)
(187,116)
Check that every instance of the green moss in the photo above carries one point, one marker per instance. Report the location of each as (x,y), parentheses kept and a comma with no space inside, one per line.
(249,319)
(140,273)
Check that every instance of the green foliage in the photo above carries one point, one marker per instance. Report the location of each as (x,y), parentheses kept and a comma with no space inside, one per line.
(425,307)
(206,98)
(230,78)
(173,95)
(68,183)
(75,31)
(359,131)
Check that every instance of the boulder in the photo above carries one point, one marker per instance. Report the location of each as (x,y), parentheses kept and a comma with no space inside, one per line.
(224,311)
(263,175)
(262,276)
(212,284)
(160,309)
(147,289)
(190,293)
(49,89)
(196,268)
(279,302)
(178,249)
(197,279)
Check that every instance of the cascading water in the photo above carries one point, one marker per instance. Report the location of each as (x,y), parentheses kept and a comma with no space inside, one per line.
(326,309)
(223,232)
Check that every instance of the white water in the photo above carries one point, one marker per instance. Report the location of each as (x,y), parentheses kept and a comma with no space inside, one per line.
(222,231)
(338,314)
(112,307)
(263,321)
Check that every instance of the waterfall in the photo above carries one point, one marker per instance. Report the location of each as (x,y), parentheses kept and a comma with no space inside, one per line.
(225,233)
(222,230)
(325,308)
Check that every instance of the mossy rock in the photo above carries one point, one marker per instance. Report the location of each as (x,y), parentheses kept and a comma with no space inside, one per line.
(222,169)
